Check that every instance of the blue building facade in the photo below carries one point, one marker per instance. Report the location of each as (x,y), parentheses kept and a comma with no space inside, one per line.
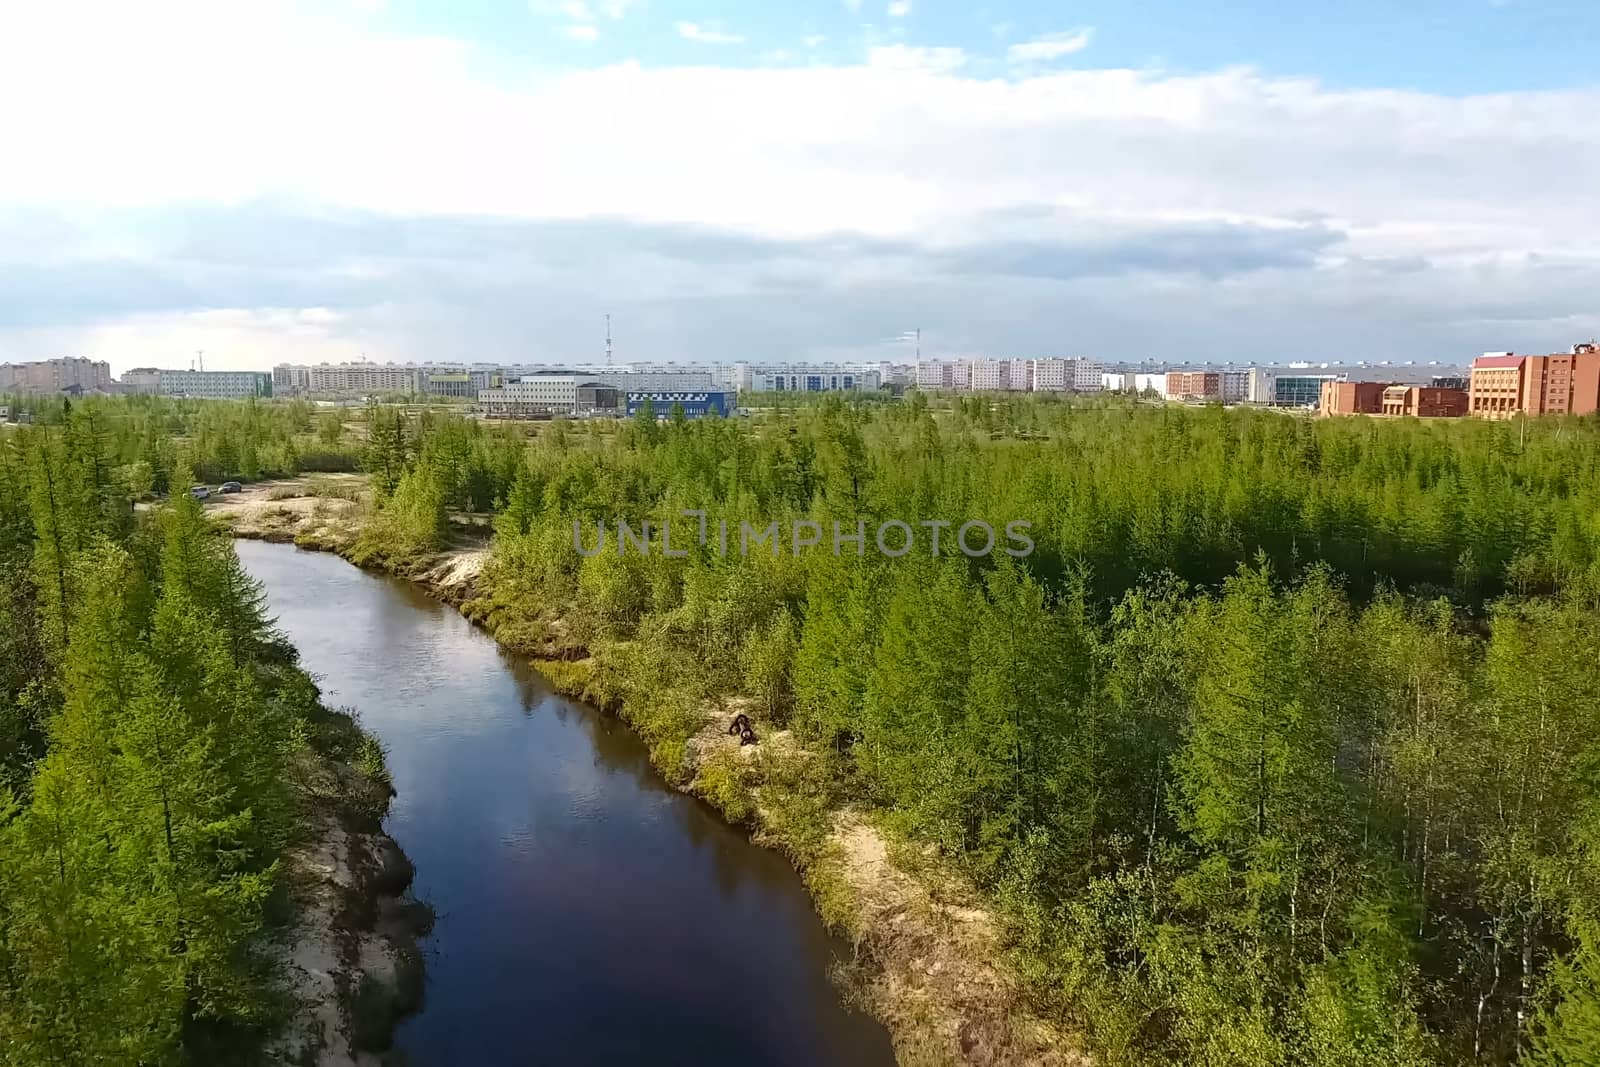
(696,403)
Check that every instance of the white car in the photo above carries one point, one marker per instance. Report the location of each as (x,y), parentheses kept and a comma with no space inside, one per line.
(199,492)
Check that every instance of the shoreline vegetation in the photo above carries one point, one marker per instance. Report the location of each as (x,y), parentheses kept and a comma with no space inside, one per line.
(1282,749)
(929,959)
(192,862)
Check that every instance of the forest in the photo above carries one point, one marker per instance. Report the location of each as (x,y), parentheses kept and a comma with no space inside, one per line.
(153,732)
(1282,747)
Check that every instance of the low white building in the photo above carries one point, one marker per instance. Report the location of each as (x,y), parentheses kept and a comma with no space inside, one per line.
(1115,381)
(812,378)
(1156,382)
(537,396)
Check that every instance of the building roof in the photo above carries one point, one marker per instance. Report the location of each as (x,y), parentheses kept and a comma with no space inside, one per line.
(1487,362)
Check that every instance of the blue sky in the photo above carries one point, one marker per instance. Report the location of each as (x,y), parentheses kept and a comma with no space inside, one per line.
(301,180)
(1446,46)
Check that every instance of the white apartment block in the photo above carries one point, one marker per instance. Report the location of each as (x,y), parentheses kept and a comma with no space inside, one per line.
(1086,375)
(1052,375)
(214,384)
(985,375)
(942,374)
(354,379)
(799,378)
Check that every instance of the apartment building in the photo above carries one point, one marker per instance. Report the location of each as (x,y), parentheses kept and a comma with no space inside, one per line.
(1235,386)
(1086,375)
(1504,384)
(56,375)
(214,384)
(1194,385)
(1495,390)
(796,378)
(141,380)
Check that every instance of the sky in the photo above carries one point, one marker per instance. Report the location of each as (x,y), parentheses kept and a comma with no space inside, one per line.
(1167,180)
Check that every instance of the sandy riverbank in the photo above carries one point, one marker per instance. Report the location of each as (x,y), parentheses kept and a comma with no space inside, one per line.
(931,958)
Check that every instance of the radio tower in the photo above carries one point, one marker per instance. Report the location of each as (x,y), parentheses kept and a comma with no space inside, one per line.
(608,340)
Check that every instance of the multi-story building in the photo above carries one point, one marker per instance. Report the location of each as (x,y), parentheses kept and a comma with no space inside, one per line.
(55,375)
(141,380)
(450,381)
(793,378)
(1350,398)
(288,379)
(540,396)
(1086,375)
(1425,401)
(1504,384)
(1194,385)
(1495,390)
(1235,386)
(214,384)
(942,374)
(362,379)
(1300,390)
(1261,386)
(1050,375)
(985,375)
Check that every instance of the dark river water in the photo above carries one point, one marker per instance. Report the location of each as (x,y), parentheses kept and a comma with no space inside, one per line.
(587,913)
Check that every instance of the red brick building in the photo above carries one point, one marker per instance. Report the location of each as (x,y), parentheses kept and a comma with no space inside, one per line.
(1425,401)
(1351,398)
(1565,383)
(1196,384)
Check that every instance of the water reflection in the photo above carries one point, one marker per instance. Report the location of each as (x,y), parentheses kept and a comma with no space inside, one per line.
(588,913)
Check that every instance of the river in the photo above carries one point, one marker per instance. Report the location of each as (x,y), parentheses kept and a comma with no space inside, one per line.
(587,913)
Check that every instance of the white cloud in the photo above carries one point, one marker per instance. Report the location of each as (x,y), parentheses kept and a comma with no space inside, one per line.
(899,9)
(852,6)
(907,57)
(694,31)
(581,18)
(906,144)
(1050,46)
(813,40)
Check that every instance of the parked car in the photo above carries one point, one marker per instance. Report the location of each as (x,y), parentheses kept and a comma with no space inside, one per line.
(199,492)
(230,487)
